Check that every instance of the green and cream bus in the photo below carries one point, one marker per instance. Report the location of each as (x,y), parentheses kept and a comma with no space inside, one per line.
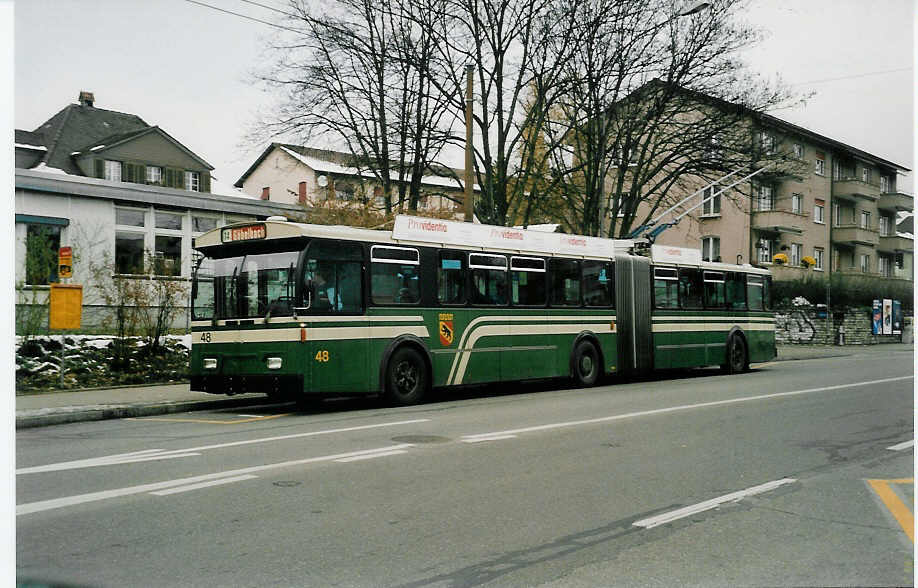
(298,310)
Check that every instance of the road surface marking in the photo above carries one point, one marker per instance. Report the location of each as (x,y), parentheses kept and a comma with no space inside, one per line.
(210,421)
(510,433)
(901,446)
(43,505)
(153,454)
(371,455)
(894,504)
(485,437)
(200,485)
(687,511)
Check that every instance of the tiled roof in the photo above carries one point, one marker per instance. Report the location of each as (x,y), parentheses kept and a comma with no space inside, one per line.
(79,127)
(29,138)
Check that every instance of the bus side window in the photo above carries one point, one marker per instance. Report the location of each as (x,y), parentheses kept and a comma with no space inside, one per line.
(527,281)
(489,279)
(665,288)
(755,291)
(598,283)
(714,290)
(736,291)
(451,278)
(690,287)
(395,275)
(565,282)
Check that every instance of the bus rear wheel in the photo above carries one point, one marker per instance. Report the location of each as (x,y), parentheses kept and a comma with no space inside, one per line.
(586,364)
(406,377)
(737,361)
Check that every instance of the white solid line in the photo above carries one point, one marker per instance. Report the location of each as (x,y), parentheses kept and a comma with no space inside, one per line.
(901,446)
(664,518)
(485,437)
(44,505)
(371,456)
(203,485)
(501,434)
(164,454)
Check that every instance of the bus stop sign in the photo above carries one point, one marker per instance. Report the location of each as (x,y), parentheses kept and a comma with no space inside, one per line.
(66,306)
(65,262)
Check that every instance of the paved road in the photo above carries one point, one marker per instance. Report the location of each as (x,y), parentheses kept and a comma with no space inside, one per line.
(502,488)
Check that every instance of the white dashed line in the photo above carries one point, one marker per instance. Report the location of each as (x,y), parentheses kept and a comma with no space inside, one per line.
(204,485)
(687,511)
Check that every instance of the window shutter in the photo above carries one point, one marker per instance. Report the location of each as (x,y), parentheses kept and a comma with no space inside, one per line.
(128,172)
(100,168)
(205,182)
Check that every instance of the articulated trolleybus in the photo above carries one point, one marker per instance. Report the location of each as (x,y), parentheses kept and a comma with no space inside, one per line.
(298,310)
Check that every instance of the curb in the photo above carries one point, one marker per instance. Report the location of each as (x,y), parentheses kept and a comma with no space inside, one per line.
(120,411)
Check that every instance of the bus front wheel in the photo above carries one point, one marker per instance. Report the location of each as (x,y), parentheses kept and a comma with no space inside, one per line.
(406,377)
(586,364)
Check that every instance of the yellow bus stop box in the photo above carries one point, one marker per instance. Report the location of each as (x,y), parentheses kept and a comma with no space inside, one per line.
(66,306)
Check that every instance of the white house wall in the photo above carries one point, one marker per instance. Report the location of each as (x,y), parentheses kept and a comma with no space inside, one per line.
(282,174)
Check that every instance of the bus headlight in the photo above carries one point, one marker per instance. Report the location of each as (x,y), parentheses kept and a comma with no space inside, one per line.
(274,363)
(210,363)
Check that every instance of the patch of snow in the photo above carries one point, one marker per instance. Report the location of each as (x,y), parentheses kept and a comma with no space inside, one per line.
(43,167)
(221,188)
(97,147)
(800,301)
(35,147)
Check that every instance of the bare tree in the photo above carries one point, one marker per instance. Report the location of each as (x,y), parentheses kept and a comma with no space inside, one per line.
(358,75)
(654,101)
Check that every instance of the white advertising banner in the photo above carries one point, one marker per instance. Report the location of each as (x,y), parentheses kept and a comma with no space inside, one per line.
(666,254)
(887,316)
(445,232)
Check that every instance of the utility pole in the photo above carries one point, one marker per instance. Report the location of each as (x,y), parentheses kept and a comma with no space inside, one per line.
(469,98)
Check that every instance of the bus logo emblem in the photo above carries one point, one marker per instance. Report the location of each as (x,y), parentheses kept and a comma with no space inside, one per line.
(446,333)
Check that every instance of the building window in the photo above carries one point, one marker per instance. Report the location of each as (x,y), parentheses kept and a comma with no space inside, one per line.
(865,175)
(819,254)
(167,256)
(884,184)
(129,217)
(820,169)
(154,174)
(763,249)
(192,181)
(765,199)
(710,249)
(112,170)
(711,202)
(767,141)
(42,245)
(797,203)
(796,253)
(798,150)
(819,212)
(884,267)
(200,224)
(128,252)
(885,225)
(865,263)
(865,219)
(169,220)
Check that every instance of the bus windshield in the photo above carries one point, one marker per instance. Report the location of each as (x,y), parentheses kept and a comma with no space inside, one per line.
(245,286)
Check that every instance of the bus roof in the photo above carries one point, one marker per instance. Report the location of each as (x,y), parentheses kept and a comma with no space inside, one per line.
(429,232)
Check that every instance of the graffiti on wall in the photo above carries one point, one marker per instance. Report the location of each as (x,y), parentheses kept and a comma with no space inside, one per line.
(797,326)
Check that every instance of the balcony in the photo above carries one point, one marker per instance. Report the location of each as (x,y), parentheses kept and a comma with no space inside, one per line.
(895,243)
(851,189)
(778,221)
(897,201)
(855,235)
(794,272)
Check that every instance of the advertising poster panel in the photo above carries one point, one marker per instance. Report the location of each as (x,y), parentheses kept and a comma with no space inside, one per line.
(887,316)
(877,319)
(897,317)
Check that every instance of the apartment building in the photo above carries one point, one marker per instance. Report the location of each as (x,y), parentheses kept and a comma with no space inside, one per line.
(838,214)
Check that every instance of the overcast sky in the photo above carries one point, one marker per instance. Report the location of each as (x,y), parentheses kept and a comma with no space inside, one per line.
(187,68)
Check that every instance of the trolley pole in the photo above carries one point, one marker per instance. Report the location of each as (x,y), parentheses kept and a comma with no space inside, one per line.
(469,98)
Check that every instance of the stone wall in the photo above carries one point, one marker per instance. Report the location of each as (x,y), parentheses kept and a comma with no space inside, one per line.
(803,325)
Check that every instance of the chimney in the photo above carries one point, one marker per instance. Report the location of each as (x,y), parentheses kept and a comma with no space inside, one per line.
(86,98)
(266,193)
(302,199)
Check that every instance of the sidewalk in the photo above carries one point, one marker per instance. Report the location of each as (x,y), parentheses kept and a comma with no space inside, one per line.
(55,408)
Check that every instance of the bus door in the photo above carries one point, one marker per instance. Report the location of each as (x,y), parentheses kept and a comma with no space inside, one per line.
(715,331)
(533,353)
(633,302)
(336,347)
